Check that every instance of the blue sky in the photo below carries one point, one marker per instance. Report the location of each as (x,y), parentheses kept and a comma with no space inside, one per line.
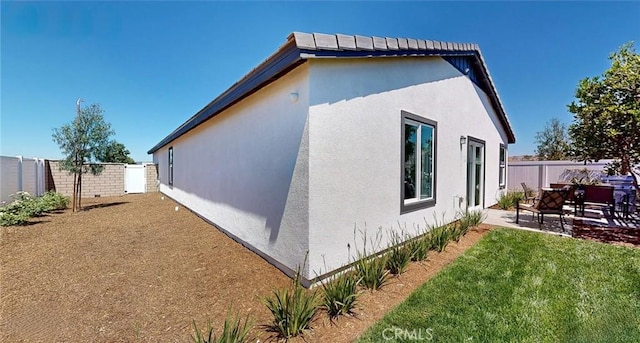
(152,65)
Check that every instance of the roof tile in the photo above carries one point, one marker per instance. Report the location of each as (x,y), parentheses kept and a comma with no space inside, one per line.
(346,42)
(364,43)
(403,44)
(325,41)
(392,43)
(304,40)
(379,43)
(413,43)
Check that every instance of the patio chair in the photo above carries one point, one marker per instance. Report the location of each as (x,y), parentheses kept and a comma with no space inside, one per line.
(529,195)
(550,201)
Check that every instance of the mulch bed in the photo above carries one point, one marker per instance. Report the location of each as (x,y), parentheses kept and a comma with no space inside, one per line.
(133,269)
(614,235)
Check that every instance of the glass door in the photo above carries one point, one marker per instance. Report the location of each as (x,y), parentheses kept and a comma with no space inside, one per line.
(475,174)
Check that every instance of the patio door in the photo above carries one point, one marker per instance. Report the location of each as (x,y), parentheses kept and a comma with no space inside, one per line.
(475,174)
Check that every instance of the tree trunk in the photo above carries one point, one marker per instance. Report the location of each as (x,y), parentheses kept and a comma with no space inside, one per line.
(73,196)
(80,190)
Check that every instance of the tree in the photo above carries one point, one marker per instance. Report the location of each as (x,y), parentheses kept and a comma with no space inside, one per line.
(607,114)
(115,152)
(81,141)
(553,142)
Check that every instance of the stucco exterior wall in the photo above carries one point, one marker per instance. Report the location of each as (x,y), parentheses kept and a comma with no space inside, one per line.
(245,170)
(355,148)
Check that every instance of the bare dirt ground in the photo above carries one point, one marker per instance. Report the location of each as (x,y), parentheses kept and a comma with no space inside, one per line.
(132,269)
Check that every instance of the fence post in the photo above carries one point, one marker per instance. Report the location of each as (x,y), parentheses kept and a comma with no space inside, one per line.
(540,172)
(19,173)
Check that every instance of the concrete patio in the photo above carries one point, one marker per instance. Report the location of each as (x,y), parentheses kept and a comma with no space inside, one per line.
(593,217)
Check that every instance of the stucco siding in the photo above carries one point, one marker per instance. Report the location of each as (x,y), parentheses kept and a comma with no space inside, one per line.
(245,170)
(355,148)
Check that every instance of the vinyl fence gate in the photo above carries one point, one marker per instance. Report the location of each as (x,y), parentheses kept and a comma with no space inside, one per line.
(135,178)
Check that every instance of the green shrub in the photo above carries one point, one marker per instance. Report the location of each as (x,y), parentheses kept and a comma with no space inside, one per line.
(234,331)
(372,271)
(439,237)
(419,247)
(53,201)
(25,206)
(292,309)
(509,199)
(340,294)
(474,218)
(464,225)
(399,255)
(10,219)
(24,203)
(456,231)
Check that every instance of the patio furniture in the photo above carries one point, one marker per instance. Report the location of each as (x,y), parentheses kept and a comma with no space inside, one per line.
(595,195)
(574,196)
(551,201)
(528,194)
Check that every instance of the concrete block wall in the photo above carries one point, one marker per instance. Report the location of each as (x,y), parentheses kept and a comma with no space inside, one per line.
(109,183)
(152,177)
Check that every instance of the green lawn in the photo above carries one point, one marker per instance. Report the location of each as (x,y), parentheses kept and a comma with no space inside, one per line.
(519,286)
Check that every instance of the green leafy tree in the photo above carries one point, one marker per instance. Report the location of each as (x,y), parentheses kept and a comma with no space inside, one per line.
(116,152)
(553,141)
(81,141)
(607,114)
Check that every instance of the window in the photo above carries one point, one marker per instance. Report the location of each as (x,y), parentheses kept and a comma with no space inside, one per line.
(171,166)
(418,163)
(503,167)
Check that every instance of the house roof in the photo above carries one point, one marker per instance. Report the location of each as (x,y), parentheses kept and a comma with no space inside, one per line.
(300,47)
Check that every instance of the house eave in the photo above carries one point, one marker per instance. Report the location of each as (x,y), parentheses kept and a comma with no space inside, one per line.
(300,47)
(284,60)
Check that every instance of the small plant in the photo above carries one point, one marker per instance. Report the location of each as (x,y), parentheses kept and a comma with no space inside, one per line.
(372,271)
(439,237)
(25,206)
(53,201)
(464,225)
(340,294)
(399,255)
(456,231)
(419,247)
(234,330)
(510,199)
(292,309)
(474,218)
(10,219)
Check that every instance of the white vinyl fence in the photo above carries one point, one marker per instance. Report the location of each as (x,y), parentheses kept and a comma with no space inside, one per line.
(538,174)
(21,174)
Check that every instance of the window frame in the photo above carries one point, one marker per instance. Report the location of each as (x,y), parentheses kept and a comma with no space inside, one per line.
(502,166)
(170,165)
(412,204)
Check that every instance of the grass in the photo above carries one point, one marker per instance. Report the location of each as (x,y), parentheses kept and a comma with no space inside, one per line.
(519,286)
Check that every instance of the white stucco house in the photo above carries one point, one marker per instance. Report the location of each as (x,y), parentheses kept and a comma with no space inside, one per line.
(333,134)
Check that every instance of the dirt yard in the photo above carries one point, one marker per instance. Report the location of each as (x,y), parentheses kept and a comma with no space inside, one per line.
(132,269)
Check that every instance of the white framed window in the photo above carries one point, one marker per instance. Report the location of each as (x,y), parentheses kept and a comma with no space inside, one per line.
(171,166)
(418,188)
(502,167)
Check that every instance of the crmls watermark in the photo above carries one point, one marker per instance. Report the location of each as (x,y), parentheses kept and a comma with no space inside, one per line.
(397,333)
